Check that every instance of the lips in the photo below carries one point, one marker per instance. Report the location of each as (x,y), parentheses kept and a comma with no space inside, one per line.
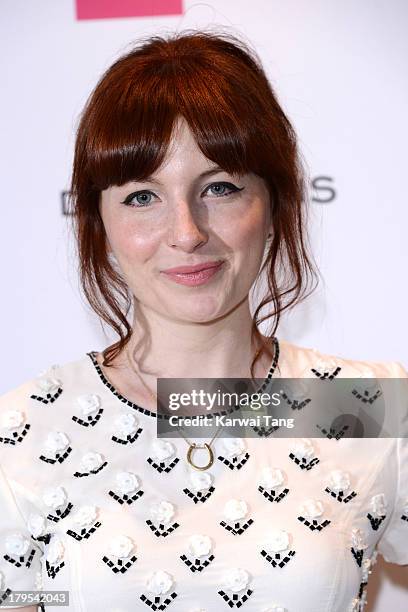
(193,269)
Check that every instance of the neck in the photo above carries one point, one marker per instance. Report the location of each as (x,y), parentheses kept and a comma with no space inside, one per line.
(163,347)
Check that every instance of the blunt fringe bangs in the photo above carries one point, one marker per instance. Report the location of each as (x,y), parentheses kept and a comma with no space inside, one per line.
(217,83)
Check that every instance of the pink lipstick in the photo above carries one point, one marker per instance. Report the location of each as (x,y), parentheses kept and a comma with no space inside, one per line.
(193,275)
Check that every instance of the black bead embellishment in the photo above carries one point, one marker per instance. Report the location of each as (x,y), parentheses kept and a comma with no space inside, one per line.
(49,398)
(162,467)
(271,495)
(199,496)
(197,565)
(120,566)
(44,538)
(375,522)
(236,463)
(332,433)
(362,589)
(340,495)
(295,404)
(81,474)
(129,438)
(60,457)
(326,375)
(4,595)
(238,528)
(358,555)
(52,570)
(61,514)
(236,600)
(161,530)
(365,398)
(302,463)
(264,432)
(126,499)
(20,561)
(157,603)
(84,533)
(313,525)
(90,420)
(277,560)
(17,436)
(159,415)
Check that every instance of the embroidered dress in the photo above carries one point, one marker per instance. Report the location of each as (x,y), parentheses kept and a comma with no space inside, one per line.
(93,503)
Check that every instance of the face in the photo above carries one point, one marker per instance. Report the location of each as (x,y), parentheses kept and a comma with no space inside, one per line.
(190,212)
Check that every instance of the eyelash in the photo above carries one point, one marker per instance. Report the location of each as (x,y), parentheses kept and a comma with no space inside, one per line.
(127,201)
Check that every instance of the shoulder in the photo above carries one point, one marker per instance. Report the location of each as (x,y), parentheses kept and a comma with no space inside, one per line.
(303,361)
(57,382)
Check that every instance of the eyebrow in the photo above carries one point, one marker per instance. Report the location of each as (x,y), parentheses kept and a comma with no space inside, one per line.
(210,172)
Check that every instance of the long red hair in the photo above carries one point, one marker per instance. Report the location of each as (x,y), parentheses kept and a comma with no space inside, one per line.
(217,83)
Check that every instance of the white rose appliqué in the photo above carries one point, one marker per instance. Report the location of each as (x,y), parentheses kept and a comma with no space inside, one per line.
(121,546)
(55,442)
(126,482)
(162,449)
(12,419)
(311,511)
(88,403)
(378,505)
(37,524)
(202,481)
(378,511)
(85,516)
(358,540)
(234,447)
(235,579)
(16,544)
(162,512)
(271,478)
(120,549)
(199,545)
(277,541)
(55,498)
(235,509)
(159,582)
(55,550)
(276,548)
(91,461)
(126,424)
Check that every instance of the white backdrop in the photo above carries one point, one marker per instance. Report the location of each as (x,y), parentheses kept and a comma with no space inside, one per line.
(340,71)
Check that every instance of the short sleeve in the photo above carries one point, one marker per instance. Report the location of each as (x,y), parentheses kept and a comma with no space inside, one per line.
(393,544)
(20,560)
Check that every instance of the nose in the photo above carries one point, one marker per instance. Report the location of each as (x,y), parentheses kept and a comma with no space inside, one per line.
(184,232)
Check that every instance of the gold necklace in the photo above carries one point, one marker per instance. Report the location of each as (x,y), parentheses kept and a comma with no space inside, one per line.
(192,445)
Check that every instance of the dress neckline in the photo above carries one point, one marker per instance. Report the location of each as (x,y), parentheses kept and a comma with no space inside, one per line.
(151,413)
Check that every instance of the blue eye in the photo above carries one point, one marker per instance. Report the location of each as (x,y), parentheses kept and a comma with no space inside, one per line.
(128,200)
(222,189)
(223,186)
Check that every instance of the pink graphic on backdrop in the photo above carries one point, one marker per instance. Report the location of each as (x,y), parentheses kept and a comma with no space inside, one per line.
(109,9)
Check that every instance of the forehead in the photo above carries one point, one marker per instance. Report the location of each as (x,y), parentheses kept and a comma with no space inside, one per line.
(183,153)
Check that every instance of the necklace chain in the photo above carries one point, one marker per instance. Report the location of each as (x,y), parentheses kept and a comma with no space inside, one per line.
(154,396)
(192,445)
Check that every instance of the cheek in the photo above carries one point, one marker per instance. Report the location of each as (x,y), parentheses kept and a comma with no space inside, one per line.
(130,245)
(246,232)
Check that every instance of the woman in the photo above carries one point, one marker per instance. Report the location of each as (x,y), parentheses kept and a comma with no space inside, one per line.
(184,159)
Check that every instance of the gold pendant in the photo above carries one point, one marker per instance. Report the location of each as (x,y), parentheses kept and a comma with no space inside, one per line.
(210,460)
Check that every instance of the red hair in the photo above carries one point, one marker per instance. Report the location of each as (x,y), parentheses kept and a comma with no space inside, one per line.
(217,83)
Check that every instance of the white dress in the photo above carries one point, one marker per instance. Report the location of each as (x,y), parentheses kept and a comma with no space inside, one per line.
(92,503)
